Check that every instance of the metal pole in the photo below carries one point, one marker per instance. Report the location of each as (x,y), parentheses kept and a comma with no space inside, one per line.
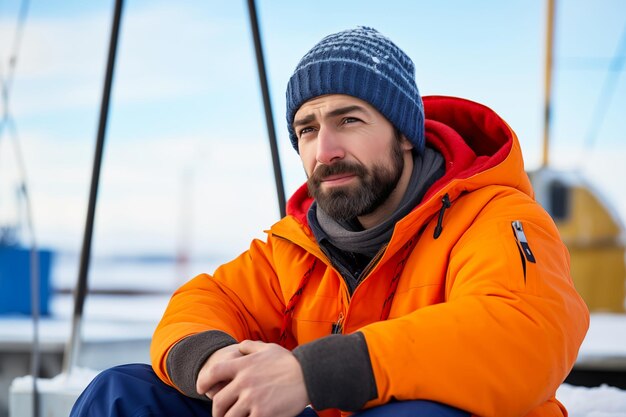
(548,83)
(269,119)
(72,348)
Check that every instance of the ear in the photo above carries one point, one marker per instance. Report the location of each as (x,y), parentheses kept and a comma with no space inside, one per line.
(405,143)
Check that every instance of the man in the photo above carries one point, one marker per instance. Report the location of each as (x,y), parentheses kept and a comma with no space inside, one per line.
(414,275)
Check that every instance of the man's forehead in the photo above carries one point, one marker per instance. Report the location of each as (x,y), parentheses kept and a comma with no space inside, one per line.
(330,102)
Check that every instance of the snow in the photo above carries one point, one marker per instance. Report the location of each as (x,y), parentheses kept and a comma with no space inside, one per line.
(56,395)
(602,401)
(603,347)
(106,319)
(74,383)
(605,340)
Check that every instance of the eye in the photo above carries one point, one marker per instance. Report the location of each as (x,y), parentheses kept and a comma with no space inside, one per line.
(304,131)
(347,120)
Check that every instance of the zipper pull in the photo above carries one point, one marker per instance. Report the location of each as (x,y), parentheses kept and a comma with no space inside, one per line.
(338,326)
(521,238)
(445,204)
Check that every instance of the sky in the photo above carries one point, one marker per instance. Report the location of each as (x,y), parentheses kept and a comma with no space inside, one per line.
(186,162)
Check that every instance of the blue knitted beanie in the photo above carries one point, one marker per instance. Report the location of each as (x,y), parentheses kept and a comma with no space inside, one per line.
(361,63)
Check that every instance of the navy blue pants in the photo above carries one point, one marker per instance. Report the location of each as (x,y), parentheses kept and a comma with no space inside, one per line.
(135,391)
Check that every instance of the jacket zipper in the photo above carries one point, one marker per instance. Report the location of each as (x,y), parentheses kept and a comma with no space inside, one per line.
(523,247)
(445,204)
(368,268)
(338,325)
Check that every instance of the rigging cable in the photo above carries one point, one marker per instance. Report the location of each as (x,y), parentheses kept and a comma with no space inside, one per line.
(267,103)
(604,99)
(17,40)
(7,81)
(8,121)
(80,292)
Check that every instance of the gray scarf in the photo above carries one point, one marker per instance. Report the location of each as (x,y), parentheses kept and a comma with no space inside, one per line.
(346,236)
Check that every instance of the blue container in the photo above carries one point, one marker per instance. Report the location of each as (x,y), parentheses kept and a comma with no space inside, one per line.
(15,297)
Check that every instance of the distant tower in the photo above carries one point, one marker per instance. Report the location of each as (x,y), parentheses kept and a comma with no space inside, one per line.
(185,226)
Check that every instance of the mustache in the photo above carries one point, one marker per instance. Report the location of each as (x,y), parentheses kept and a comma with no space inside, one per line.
(341,167)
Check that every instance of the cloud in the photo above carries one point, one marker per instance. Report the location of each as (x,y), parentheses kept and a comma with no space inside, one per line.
(165,51)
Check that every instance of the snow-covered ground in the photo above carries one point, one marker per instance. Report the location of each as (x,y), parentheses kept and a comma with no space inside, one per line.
(605,341)
(603,401)
(605,345)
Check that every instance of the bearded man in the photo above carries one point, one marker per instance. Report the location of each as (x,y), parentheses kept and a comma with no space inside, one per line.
(414,275)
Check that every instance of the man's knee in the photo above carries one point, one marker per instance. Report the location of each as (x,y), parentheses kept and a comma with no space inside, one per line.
(122,378)
(135,390)
(123,386)
(122,373)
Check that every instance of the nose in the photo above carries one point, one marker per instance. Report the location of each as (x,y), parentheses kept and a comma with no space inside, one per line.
(329,147)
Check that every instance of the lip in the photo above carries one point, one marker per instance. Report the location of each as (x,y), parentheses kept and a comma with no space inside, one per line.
(338,179)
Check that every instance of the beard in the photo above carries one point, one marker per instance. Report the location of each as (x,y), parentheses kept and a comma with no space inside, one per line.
(373,188)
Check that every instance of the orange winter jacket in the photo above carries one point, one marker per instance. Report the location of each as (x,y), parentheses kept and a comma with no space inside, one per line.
(470,304)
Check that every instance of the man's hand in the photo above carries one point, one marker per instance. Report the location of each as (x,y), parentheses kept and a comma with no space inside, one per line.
(258,380)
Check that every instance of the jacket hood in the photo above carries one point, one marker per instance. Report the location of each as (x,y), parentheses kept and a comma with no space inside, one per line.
(479,148)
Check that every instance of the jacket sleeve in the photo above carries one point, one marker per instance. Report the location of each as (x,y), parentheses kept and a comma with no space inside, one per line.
(241,300)
(507,334)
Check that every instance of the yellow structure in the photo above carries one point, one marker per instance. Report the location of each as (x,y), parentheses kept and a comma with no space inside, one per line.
(593,234)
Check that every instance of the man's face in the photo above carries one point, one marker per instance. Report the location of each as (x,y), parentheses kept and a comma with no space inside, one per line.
(351,154)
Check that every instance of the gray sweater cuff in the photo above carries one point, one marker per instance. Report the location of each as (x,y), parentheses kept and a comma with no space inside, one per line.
(186,358)
(338,372)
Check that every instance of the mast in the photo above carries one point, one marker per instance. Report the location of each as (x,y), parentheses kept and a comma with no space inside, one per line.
(269,118)
(73,345)
(548,82)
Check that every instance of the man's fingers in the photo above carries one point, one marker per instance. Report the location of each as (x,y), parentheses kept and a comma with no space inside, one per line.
(214,374)
(250,346)
(224,400)
(215,389)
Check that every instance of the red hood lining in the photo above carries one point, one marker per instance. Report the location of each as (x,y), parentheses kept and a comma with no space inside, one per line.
(299,203)
(479,126)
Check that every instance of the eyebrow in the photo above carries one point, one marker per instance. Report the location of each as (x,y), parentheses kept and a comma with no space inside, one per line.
(337,112)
